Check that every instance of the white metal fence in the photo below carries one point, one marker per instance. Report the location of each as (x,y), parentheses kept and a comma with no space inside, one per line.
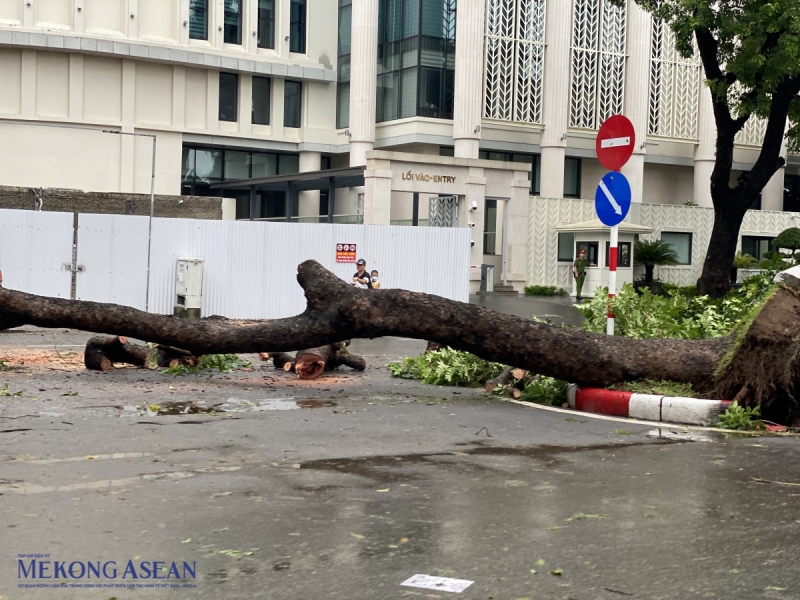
(250,268)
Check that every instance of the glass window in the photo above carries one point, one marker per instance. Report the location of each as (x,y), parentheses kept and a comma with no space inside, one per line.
(292,103)
(623,254)
(572,178)
(446,151)
(297,26)
(228,96)
(264,165)
(233,21)
(260,114)
(198,19)
(188,164)
(288,164)
(266,23)
(490,227)
(791,193)
(208,165)
(536,175)
(757,246)
(237,165)
(681,243)
(343,106)
(565,245)
(591,251)
(345,25)
(424,58)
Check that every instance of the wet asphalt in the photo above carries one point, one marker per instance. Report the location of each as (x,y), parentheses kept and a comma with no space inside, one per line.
(346,487)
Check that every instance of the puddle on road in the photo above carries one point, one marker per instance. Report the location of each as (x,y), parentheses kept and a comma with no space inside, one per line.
(686,435)
(231,405)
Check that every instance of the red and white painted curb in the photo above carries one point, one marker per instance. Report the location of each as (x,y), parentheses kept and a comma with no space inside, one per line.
(648,407)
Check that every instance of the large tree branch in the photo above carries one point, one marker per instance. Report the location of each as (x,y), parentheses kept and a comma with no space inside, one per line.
(337,311)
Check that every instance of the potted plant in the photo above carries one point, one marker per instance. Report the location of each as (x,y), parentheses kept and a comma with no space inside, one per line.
(651,255)
(742,261)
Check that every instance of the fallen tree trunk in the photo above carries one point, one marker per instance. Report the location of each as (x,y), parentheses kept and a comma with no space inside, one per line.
(337,311)
(101,353)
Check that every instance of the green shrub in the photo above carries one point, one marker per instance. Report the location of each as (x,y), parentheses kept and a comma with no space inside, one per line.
(544,290)
(545,390)
(225,363)
(674,316)
(659,387)
(740,417)
(447,367)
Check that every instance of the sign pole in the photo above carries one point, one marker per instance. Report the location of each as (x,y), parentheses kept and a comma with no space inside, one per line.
(612,277)
(614,146)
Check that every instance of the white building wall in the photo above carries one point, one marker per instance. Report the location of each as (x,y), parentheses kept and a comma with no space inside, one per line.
(129,66)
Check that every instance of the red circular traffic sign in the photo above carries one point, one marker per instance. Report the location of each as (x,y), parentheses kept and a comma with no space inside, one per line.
(615,142)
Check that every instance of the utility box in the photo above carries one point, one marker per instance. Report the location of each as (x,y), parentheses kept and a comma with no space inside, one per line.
(189,288)
(487,278)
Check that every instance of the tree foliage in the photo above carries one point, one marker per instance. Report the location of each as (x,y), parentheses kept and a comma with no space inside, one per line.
(788,239)
(750,51)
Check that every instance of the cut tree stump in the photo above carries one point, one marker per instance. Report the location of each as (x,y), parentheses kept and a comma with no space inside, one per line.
(169,356)
(102,352)
(310,364)
(337,311)
(500,380)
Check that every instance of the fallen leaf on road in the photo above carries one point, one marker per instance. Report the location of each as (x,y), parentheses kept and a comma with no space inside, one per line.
(622,432)
(539,563)
(382,491)
(557,572)
(358,536)
(186,541)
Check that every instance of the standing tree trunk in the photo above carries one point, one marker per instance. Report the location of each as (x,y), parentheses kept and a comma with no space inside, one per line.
(716,278)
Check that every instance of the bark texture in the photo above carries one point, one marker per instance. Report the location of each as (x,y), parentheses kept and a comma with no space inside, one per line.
(337,311)
(764,367)
(310,364)
(101,353)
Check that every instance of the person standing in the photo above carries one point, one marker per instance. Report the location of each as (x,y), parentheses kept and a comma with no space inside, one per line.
(376,282)
(361,278)
(579,272)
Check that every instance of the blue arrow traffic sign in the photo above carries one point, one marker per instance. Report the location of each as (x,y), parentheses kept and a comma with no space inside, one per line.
(612,201)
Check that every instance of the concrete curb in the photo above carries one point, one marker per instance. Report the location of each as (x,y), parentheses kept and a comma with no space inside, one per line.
(671,409)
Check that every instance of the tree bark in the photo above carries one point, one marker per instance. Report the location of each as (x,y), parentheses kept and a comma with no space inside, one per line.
(715,280)
(102,352)
(310,364)
(337,311)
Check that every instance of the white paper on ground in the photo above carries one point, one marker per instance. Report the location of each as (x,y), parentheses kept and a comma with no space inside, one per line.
(444,584)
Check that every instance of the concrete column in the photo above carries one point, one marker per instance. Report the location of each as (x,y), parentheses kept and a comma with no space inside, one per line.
(637,92)
(515,250)
(476,192)
(245,105)
(555,107)
(772,194)
(28,83)
(76,85)
(705,152)
(377,194)
(468,78)
(179,97)
(309,200)
(363,79)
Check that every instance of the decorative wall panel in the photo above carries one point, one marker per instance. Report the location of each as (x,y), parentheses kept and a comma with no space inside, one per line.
(514,60)
(674,87)
(598,62)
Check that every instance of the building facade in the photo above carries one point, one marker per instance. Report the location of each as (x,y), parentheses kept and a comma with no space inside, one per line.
(241,89)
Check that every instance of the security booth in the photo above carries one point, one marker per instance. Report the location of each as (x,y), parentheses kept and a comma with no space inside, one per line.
(595,238)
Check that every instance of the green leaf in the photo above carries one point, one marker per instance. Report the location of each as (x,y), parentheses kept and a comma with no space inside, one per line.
(557,572)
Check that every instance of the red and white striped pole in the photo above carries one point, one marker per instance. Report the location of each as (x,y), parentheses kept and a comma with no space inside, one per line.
(612,277)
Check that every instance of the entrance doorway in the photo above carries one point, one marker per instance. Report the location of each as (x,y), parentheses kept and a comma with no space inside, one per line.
(495,234)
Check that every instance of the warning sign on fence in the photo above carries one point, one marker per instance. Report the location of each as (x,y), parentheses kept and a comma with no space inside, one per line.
(345,253)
